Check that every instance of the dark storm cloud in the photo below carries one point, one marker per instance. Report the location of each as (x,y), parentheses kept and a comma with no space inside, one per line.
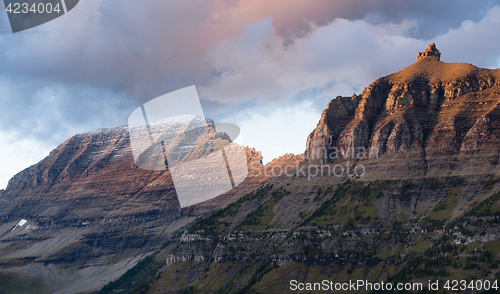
(436,17)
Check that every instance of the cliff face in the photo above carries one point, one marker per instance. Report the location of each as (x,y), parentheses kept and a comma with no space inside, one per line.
(427,115)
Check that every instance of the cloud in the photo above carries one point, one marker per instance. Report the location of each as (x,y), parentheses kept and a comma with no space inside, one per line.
(51,112)
(142,50)
(473,42)
(16,154)
(341,57)
(294,18)
(277,130)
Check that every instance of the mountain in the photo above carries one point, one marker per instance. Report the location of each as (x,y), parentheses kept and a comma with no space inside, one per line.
(88,213)
(431,118)
(397,185)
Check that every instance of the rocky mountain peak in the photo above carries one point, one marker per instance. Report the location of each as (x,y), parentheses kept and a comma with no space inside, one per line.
(435,116)
(430,52)
(90,195)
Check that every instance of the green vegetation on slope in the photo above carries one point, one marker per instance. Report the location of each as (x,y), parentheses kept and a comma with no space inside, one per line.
(492,180)
(323,192)
(139,278)
(442,211)
(16,284)
(211,225)
(459,251)
(351,203)
(263,215)
(433,183)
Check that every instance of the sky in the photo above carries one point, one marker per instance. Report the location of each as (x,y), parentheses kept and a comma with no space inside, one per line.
(269,67)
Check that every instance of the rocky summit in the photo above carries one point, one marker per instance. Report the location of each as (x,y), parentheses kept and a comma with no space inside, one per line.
(431,118)
(430,52)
